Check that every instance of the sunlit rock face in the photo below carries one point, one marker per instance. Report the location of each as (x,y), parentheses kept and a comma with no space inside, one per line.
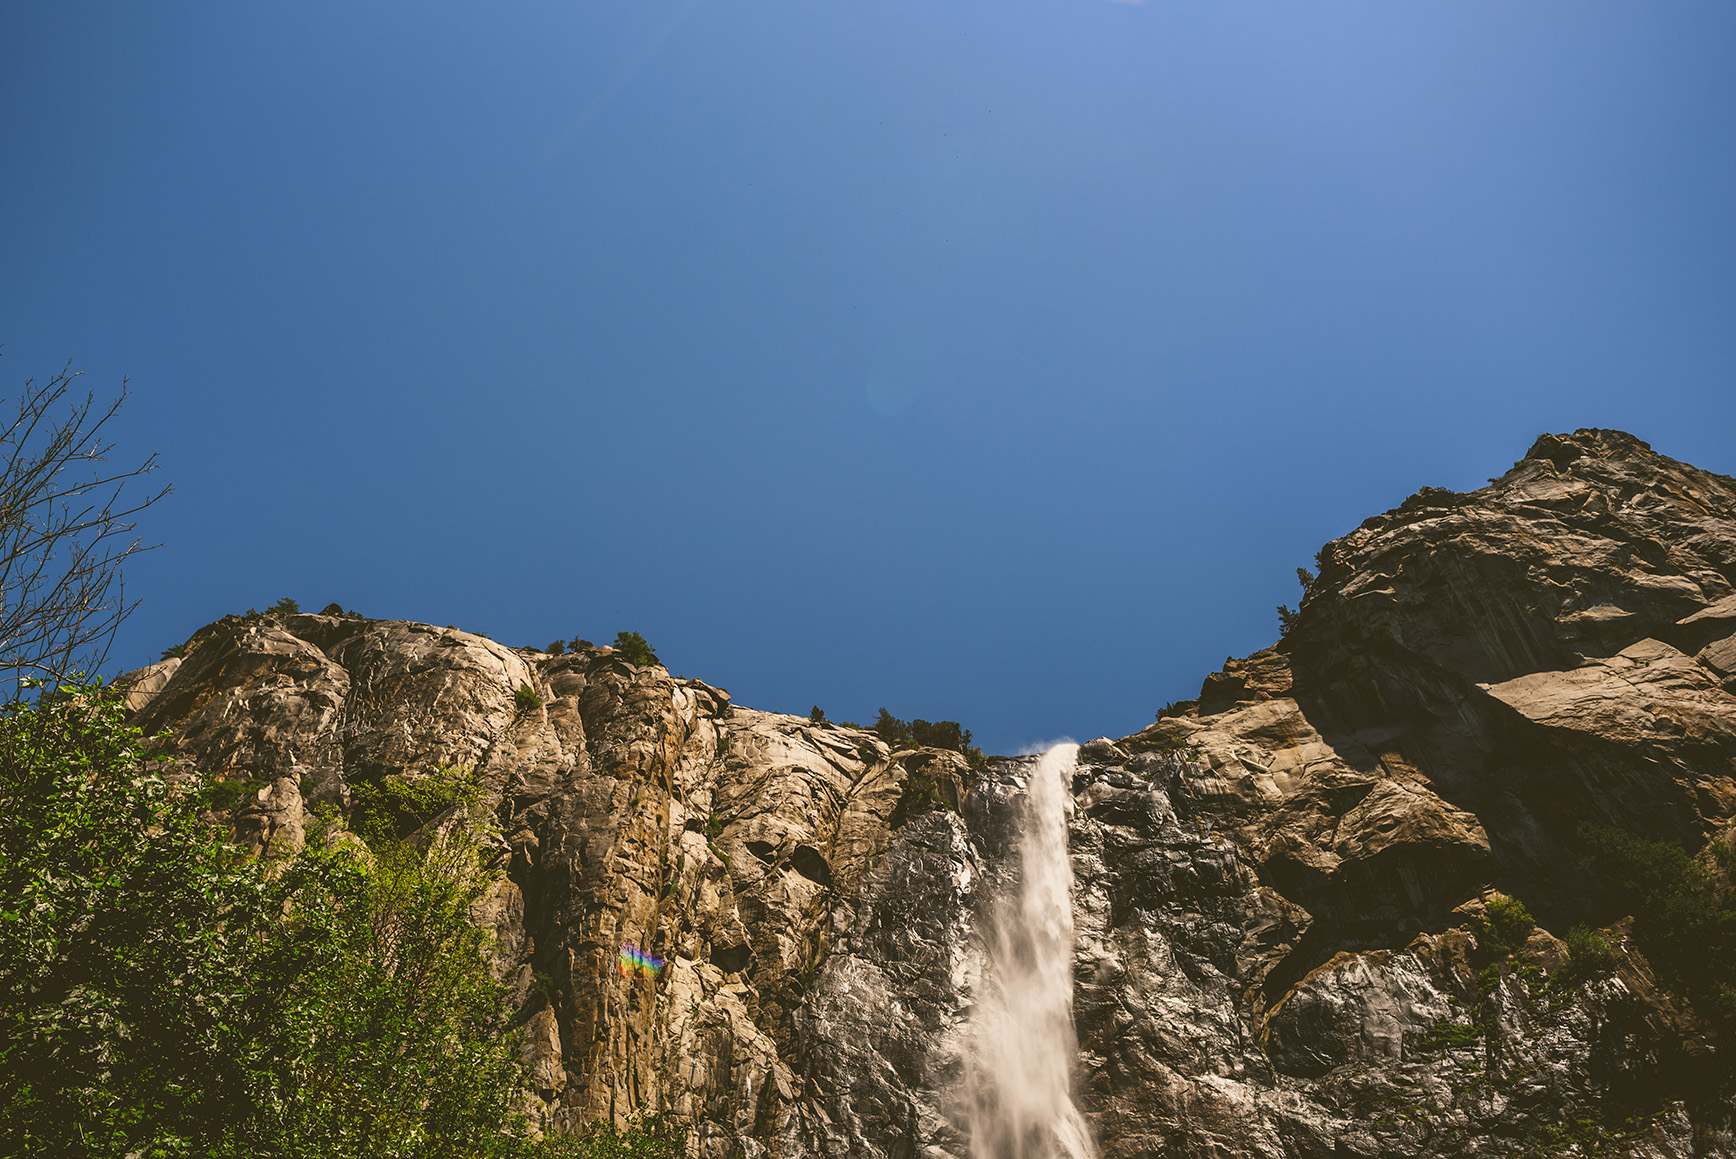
(1275,886)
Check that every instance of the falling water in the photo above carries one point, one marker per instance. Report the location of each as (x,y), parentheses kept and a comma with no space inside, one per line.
(1021,1102)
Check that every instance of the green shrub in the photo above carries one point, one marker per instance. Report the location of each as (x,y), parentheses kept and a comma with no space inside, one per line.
(377,1027)
(557,648)
(527,699)
(125,925)
(1504,926)
(178,652)
(653,1137)
(1448,1036)
(1286,619)
(1684,912)
(163,995)
(1589,954)
(283,607)
(817,715)
(940,734)
(223,796)
(633,648)
(388,810)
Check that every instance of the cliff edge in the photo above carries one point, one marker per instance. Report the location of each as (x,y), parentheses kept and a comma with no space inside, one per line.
(1304,900)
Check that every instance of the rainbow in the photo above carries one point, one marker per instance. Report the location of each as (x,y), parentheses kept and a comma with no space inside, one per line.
(634,960)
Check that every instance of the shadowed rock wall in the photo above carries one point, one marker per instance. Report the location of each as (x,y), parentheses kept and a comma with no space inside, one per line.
(1278,883)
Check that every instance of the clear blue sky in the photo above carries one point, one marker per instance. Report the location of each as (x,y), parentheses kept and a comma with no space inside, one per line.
(994,361)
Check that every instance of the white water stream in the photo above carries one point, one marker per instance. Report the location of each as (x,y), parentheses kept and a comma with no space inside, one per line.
(1020,1096)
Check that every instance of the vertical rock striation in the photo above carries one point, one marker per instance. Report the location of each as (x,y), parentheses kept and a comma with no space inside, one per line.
(1283,888)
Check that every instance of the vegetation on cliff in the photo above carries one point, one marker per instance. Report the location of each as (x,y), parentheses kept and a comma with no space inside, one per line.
(940,734)
(1684,912)
(163,994)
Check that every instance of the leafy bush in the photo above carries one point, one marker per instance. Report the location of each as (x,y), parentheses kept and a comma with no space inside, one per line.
(1286,619)
(1684,912)
(653,1137)
(557,648)
(817,715)
(283,607)
(1504,925)
(1589,954)
(527,699)
(377,1029)
(634,649)
(222,796)
(124,931)
(941,734)
(163,995)
(1448,1036)
(390,809)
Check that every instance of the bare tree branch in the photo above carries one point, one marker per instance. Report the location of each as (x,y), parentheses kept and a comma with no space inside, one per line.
(66,527)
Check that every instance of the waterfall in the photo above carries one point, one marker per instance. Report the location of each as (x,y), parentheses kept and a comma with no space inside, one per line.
(1020,1078)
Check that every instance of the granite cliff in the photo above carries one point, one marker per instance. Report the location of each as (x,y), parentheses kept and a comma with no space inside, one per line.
(1287,889)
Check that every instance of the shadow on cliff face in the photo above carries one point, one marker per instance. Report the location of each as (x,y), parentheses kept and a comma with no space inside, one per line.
(1278,886)
(1504,658)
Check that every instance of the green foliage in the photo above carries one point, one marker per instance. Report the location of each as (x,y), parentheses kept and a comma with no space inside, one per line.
(1684,913)
(817,715)
(527,699)
(1286,619)
(1305,578)
(921,795)
(124,934)
(1589,954)
(942,734)
(580,645)
(376,1028)
(390,809)
(634,649)
(558,648)
(179,652)
(1503,926)
(222,796)
(1448,1036)
(163,995)
(653,1137)
(283,607)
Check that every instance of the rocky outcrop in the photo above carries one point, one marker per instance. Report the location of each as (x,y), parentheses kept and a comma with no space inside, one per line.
(1469,679)
(1283,887)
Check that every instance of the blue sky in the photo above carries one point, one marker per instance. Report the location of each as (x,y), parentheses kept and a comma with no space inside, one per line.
(987,361)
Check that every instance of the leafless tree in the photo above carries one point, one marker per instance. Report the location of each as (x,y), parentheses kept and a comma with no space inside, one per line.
(66,524)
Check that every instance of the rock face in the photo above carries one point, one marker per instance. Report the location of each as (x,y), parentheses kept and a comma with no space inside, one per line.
(1281,887)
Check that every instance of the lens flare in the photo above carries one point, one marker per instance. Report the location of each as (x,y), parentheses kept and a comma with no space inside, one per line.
(634,960)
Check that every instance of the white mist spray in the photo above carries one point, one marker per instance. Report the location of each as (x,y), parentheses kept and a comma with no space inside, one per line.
(1021,1101)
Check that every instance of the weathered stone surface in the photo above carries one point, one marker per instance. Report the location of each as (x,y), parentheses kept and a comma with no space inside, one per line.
(1279,885)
